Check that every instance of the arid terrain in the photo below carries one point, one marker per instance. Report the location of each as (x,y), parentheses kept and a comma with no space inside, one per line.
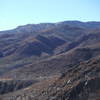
(51,61)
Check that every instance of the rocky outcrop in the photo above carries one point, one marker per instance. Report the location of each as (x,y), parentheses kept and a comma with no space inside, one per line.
(13,85)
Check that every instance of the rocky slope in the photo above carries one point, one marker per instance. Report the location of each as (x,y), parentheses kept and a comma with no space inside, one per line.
(81,82)
(42,52)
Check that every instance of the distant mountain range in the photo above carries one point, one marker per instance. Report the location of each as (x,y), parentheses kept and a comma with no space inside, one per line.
(46,51)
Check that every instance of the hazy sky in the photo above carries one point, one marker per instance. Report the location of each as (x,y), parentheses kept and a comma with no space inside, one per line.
(20,12)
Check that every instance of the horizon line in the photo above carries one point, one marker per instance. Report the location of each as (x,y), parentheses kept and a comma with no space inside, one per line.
(48,23)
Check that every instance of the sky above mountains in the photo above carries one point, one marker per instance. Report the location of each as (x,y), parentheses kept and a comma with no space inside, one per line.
(20,12)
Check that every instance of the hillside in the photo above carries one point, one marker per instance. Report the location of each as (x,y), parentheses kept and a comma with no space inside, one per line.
(37,53)
(77,83)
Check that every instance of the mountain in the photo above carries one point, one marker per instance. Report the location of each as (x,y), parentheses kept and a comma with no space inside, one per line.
(87,25)
(37,53)
(81,82)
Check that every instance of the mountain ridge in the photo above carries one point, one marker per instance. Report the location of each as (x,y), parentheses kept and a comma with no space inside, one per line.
(46,52)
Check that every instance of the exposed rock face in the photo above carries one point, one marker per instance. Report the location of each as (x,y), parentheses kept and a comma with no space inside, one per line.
(81,82)
(84,82)
(85,89)
(13,85)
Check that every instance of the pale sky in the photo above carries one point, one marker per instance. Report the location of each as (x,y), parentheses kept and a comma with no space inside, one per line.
(21,12)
